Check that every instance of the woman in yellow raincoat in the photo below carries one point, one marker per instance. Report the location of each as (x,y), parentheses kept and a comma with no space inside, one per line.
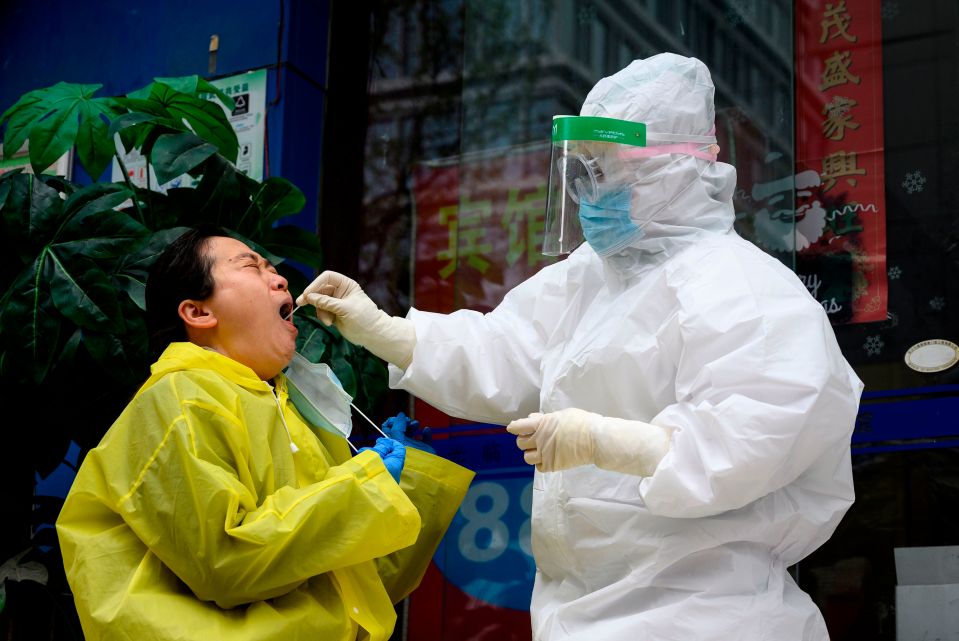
(211,510)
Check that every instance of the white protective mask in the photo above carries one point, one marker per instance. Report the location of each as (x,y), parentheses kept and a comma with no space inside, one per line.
(319,396)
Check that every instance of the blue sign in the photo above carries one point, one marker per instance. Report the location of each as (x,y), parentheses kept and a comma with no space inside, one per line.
(486,552)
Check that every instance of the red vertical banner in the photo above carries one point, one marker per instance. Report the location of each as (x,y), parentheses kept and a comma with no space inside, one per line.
(839,156)
(479,227)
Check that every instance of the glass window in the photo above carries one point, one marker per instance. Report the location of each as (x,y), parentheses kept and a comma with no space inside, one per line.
(598,41)
(920,61)
(457,114)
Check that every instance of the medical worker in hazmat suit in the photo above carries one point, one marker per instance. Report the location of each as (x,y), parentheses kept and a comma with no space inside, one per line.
(212,510)
(680,392)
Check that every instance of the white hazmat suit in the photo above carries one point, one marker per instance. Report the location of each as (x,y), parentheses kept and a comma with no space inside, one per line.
(692,329)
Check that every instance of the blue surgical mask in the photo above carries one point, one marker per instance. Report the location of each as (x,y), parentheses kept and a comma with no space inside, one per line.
(606,223)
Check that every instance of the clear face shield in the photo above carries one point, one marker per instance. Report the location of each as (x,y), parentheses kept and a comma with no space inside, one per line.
(591,173)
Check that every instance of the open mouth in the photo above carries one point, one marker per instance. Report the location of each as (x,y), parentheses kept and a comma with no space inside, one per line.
(286,311)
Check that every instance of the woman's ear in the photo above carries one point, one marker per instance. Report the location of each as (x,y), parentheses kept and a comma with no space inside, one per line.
(196,315)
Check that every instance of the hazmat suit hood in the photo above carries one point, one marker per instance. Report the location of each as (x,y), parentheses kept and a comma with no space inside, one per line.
(676,199)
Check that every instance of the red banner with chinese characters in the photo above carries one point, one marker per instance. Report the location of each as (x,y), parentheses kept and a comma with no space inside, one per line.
(840,195)
(479,231)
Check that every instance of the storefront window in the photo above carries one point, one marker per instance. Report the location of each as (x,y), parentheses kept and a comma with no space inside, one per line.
(842,121)
(920,61)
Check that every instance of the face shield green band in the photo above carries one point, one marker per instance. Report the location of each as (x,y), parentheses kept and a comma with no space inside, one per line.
(591,160)
(575,172)
(582,128)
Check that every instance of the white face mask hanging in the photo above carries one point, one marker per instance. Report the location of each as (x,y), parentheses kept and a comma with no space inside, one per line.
(319,396)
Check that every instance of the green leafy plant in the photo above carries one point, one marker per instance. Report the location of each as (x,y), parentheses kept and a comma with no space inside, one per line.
(75,257)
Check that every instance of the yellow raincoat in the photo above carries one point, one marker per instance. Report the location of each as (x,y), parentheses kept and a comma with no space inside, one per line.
(195,519)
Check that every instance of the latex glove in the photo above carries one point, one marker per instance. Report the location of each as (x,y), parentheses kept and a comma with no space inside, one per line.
(340,301)
(393,454)
(401,428)
(572,437)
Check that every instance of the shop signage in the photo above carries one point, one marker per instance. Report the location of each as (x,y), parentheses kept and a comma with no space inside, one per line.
(840,197)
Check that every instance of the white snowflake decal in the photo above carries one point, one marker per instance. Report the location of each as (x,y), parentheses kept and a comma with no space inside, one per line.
(873,345)
(914,182)
(938,303)
(889,10)
(894,273)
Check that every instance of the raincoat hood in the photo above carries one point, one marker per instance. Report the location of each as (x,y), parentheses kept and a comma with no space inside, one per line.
(186,356)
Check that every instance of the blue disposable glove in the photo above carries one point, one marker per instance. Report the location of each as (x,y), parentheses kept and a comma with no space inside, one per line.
(393,454)
(402,429)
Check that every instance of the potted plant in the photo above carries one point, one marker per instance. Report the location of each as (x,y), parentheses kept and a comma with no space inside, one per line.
(74,258)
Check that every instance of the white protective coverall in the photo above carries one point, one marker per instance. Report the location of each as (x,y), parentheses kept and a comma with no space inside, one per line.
(693,329)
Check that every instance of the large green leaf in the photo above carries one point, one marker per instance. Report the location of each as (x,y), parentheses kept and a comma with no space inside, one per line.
(24,102)
(69,350)
(142,104)
(20,118)
(134,126)
(61,184)
(176,154)
(313,339)
(43,214)
(205,118)
(225,195)
(148,135)
(14,212)
(104,237)
(276,199)
(93,199)
(340,357)
(52,137)
(83,292)
(294,243)
(110,352)
(50,118)
(130,274)
(166,210)
(373,378)
(95,146)
(132,119)
(29,325)
(134,287)
(194,85)
(5,187)
(90,226)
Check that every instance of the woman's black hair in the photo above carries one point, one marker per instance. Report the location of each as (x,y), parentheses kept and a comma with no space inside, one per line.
(183,271)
